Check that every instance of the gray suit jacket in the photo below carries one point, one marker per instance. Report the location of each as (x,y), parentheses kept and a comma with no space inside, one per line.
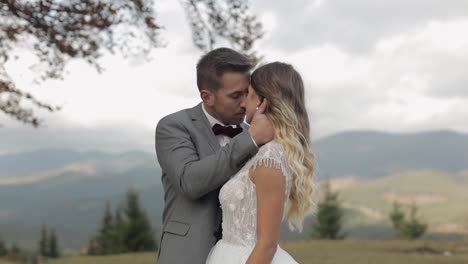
(194,167)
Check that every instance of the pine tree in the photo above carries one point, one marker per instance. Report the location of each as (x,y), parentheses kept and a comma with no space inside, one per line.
(3,249)
(14,251)
(128,231)
(93,247)
(34,259)
(411,228)
(43,242)
(53,245)
(397,216)
(329,219)
(105,239)
(119,232)
(138,234)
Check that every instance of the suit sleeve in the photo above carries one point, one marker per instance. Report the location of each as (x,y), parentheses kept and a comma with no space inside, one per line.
(192,176)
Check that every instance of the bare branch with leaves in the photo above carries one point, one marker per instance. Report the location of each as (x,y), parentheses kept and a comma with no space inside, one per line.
(58,31)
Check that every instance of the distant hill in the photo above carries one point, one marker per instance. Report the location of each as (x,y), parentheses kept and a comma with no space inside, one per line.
(68,189)
(360,153)
(370,154)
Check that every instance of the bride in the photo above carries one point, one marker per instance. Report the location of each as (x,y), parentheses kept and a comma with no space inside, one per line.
(277,182)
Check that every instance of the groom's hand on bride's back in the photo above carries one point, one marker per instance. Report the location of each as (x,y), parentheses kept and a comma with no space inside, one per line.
(261,129)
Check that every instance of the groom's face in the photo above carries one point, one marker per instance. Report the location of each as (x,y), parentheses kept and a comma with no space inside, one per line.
(229,99)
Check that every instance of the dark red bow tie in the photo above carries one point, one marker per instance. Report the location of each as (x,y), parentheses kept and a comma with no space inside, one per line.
(226,130)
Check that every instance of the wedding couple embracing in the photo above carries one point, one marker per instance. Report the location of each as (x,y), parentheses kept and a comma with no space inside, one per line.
(235,165)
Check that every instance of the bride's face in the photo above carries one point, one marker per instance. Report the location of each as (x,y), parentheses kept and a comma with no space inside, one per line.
(251,104)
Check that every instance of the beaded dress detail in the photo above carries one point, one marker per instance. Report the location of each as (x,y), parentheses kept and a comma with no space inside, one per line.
(239,205)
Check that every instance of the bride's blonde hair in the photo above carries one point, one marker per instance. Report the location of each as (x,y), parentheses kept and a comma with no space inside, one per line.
(283,87)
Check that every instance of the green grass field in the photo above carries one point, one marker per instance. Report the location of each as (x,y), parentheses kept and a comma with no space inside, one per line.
(332,252)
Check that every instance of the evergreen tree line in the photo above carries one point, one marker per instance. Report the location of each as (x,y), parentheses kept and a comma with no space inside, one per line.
(47,248)
(329,219)
(6,251)
(15,254)
(127,230)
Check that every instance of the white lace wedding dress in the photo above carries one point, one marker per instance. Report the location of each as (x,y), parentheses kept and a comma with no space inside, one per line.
(239,205)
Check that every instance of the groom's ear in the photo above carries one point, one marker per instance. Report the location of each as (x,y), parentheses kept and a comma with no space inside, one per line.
(207,97)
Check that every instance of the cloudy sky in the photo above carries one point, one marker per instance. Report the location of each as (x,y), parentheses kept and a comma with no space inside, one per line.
(396,66)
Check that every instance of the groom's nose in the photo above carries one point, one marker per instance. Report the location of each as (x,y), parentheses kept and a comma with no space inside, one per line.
(242,103)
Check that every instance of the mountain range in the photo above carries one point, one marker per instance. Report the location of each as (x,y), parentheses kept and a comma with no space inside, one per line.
(68,189)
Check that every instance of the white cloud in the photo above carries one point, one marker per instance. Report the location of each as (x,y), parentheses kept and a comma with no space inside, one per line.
(391,66)
(354,26)
(59,133)
(409,82)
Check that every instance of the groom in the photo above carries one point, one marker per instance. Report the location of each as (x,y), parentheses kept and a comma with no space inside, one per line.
(199,149)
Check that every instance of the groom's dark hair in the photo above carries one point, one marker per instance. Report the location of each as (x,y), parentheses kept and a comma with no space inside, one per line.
(212,66)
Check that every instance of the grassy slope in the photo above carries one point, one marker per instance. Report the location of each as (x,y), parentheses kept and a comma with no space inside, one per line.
(329,252)
(451,187)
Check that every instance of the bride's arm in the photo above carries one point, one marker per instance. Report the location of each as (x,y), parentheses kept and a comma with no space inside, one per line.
(270,186)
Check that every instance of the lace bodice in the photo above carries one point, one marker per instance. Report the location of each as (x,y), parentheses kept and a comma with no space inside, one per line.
(238,196)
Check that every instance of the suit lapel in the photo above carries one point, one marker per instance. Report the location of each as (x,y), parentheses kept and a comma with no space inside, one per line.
(203,126)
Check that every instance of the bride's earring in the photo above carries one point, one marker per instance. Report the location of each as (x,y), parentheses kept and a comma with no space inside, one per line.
(261,101)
